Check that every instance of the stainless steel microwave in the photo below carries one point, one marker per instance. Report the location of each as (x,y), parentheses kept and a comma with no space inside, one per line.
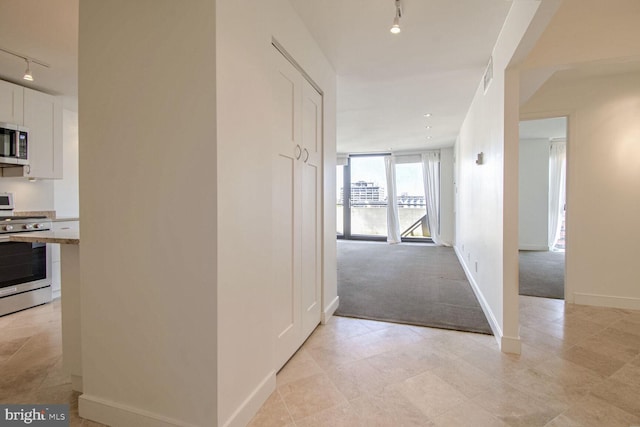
(14,144)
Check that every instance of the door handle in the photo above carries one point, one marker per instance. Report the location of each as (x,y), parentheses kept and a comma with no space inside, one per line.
(298,152)
(306,155)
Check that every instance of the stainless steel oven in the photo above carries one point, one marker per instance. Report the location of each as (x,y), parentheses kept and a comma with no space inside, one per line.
(25,268)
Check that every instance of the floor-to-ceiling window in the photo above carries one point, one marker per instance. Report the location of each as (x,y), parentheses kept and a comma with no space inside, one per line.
(368,198)
(411,201)
(362,197)
(340,200)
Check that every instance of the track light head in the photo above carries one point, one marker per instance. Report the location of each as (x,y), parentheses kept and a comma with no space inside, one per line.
(27,73)
(395,28)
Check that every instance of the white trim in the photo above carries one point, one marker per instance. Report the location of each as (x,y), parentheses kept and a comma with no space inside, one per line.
(331,308)
(628,303)
(55,294)
(506,344)
(511,345)
(533,248)
(243,414)
(116,414)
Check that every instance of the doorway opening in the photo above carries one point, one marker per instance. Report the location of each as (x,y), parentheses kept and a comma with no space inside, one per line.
(542,207)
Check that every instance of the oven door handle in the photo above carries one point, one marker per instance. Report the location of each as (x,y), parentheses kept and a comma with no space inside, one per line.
(4,238)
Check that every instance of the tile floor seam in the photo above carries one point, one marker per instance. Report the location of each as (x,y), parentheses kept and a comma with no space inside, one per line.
(17,351)
(616,406)
(284,402)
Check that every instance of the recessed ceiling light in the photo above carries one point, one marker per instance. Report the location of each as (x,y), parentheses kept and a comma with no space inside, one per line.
(427,115)
(428,127)
(428,137)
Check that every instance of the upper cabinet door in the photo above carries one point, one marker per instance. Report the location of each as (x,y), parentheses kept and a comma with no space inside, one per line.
(11,98)
(43,118)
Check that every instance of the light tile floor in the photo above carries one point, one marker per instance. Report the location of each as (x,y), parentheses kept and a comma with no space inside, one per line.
(31,361)
(580,367)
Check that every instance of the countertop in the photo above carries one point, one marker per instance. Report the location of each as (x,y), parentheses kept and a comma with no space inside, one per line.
(65,218)
(69,237)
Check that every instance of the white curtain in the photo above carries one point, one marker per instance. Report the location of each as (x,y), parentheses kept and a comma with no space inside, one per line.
(557,194)
(393,223)
(431,176)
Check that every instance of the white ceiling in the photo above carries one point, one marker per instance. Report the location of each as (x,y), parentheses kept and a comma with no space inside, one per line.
(387,82)
(48,31)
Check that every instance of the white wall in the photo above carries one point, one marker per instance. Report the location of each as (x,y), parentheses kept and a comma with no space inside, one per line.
(486,230)
(590,38)
(587,31)
(65,190)
(244,55)
(147,111)
(603,195)
(533,191)
(28,195)
(172,351)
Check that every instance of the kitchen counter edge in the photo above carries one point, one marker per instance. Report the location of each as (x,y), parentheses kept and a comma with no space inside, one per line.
(65,218)
(65,237)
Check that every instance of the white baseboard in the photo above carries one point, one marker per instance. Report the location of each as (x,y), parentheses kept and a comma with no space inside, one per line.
(511,345)
(115,414)
(55,293)
(243,414)
(533,247)
(606,301)
(328,312)
(506,344)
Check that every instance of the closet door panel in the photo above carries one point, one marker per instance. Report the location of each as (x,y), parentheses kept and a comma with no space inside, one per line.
(287,213)
(311,208)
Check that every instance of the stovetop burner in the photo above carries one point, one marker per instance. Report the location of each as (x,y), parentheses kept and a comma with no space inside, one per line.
(23,224)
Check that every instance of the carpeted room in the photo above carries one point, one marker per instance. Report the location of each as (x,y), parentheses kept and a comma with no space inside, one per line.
(423,284)
(420,284)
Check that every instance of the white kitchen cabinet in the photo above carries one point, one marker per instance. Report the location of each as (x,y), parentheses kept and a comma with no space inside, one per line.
(55,254)
(11,103)
(43,119)
(297,191)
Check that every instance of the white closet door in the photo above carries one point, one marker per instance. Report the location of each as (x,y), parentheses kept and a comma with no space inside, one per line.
(297,191)
(287,96)
(311,208)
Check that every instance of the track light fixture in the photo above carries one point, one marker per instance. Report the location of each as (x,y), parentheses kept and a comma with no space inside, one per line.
(27,74)
(395,28)
(29,60)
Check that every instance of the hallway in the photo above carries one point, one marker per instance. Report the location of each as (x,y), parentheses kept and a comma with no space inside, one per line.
(580,366)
